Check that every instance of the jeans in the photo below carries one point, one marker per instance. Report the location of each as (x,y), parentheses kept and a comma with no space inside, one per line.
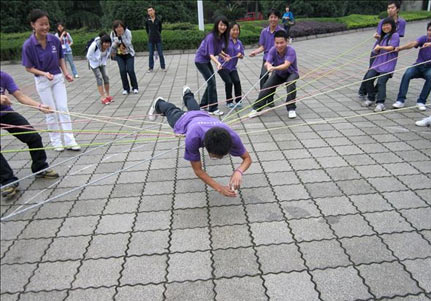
(69,58)
(362,89)
(379,89)
(32,140)
(101,76)
(210,94)
(275,80)
(53,93)
(172,112)
(421,71)
(126,64)
(159,48)
(263,77)
(287,29)
(230,79)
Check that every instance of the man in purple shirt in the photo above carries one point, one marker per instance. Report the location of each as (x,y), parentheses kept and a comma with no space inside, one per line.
(417,71)
(281,61)
(13,122)
(202,130)
(266,42)
(393,12)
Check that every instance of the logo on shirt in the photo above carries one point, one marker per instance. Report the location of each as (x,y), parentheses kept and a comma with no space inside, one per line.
(54,49)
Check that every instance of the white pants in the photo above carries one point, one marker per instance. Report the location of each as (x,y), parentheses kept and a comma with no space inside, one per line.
(53,93)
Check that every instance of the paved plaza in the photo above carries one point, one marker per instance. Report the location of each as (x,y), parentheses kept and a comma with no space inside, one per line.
(336,210)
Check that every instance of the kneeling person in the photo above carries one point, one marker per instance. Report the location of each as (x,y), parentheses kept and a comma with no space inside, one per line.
(202,130)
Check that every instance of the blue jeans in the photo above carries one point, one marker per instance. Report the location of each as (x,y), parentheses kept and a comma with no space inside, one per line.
(379,89)
(159,48)
(420,71)
(172,112)
(69,58)
(210,94)
(126,64)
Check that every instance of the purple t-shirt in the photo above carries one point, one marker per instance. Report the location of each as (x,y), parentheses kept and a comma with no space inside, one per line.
(275,59)
(46,60)
(195,124)
(267,39)
(6,83)
(387,62)
(232,49)
(425,52)
(401,28)
(211,45)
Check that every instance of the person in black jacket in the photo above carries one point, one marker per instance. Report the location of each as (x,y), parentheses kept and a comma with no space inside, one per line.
(153,26)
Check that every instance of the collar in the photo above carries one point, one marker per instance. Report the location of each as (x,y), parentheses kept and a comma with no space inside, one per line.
(277,28)
(36,42)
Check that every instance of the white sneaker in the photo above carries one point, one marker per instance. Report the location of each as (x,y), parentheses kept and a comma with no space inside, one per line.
(59,148)
(186,89)
(125,92)
(379,108)
(292,114)
(75,147)
(398,105)
(424,122)
(77,76)
(216,113)
(367,103)
(253,114)
(421,107)
(151,115)
(135,91)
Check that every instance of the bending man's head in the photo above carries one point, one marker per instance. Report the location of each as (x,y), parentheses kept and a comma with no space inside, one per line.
(218,142)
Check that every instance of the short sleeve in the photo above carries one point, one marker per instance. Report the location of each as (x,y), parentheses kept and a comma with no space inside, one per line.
(9,83)
(379,27)
(241,48)
(210,44)
(421,41)
(262,38)
(270,56)
(401,27)
(26,59)
(290,55)
(238,148)
(395,40)
(192,149)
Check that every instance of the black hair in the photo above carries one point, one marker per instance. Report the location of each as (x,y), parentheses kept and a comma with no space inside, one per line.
(396,3)
(280,34)
(232,24)
(56,28)
(428,25)
(117,23)
(104,37)
(36,14)
(225,35)
(150,6)
(393,30)
(218,141)
(274,12)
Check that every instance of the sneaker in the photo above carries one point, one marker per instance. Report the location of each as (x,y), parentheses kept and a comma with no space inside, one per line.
(292,114)
(135,91)
(59,148)
(271,104)
(367,103)
(239,105)
(421,106)
(424,122)
(361,96)
(151,115)
(75,147)
(164,70)
(106,101)
(9,191)
(125,92)
(216,113)
(205,109)
(186,90)
(230,105)
(48,174)
(252,114)
(76,76)
(379,108)
(149,70)
(398,105)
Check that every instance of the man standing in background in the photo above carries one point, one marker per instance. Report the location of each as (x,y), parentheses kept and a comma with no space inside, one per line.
(153,26)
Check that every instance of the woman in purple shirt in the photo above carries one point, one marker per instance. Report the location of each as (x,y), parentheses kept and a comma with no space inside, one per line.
(229,74)
(214,44)
(383,65)
(42,55)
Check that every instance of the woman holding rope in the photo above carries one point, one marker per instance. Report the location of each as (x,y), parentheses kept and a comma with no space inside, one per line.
(42,55)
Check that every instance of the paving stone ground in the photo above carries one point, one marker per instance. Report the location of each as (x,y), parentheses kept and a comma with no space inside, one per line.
(328,211)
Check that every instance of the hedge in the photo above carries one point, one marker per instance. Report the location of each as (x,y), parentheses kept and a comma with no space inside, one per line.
(187,36)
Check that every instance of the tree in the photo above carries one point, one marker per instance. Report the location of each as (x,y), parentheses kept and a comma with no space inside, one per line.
(82,13)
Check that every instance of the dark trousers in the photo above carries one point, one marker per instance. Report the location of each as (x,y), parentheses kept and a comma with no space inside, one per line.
(379,89)
(126,64)
(287,29)
(33,140)
(263,77)
(362,89)
(151,48)
(275,80)
(421,71)
(172,112)
(231,78)
(210,94)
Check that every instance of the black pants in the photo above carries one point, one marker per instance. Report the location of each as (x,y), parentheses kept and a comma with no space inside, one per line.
(126,64)
(230,79)
(210,94)
(172,112)
(379,88)
(275,80)
(33,140)
(263,77)
(362,89)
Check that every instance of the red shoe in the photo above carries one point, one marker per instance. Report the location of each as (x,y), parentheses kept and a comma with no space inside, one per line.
(110,98)
(106,101)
